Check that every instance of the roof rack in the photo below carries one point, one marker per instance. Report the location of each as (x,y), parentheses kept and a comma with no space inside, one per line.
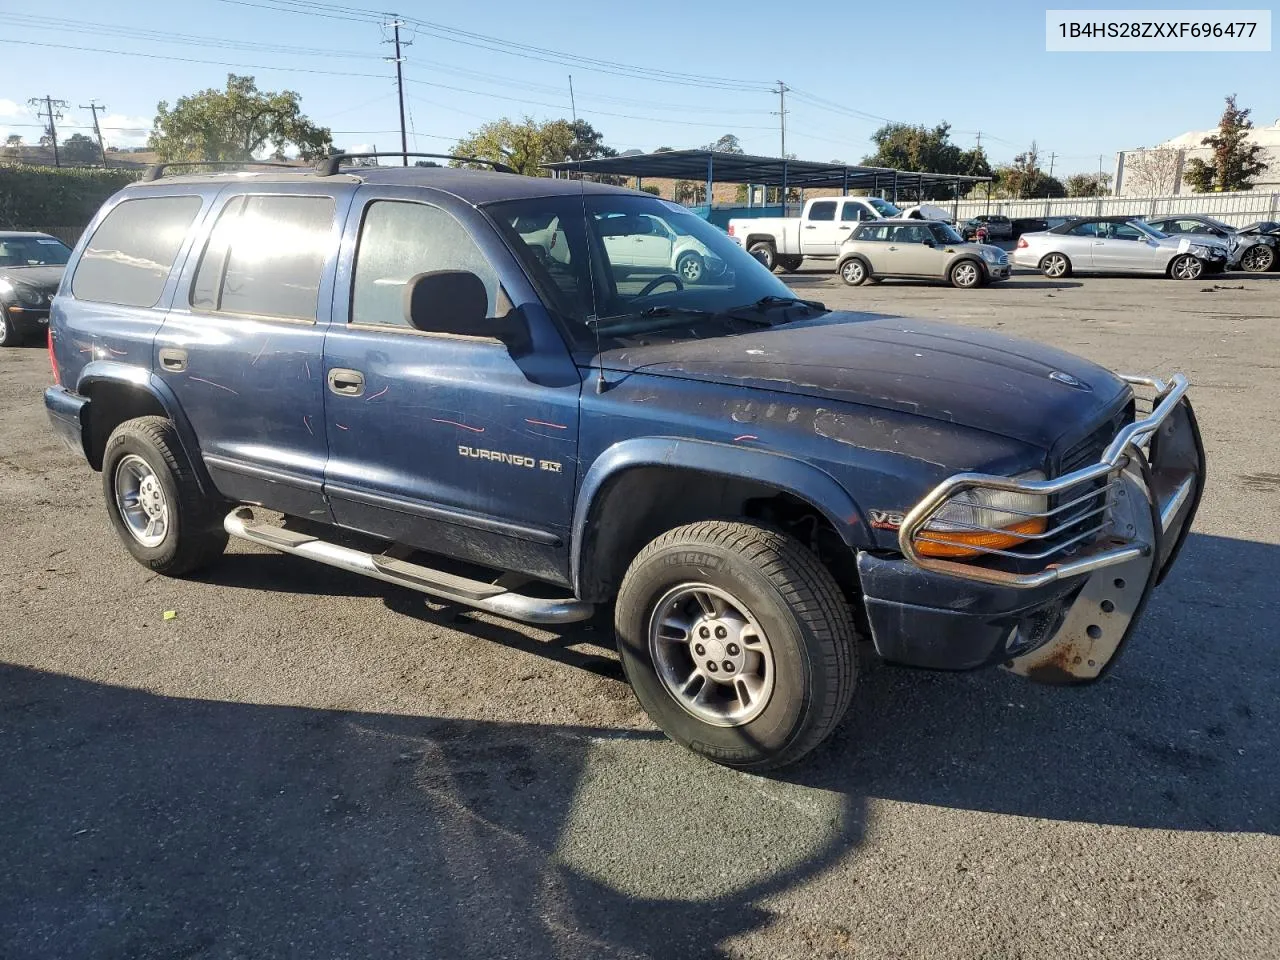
(156,170)
(328,166)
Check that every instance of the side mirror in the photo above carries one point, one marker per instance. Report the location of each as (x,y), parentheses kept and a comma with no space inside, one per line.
(456,302)
(927,242)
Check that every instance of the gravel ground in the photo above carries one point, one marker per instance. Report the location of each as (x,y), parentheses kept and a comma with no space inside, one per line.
(305,763)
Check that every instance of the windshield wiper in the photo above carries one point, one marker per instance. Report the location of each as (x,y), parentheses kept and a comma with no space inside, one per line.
(764,304)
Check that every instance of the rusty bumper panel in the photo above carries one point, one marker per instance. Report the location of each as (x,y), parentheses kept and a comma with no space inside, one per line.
(1153,476)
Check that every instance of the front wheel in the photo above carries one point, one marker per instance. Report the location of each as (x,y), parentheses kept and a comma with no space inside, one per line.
(738,643)
(966,274)
(1186,267)
(154,500)
(9,336)
(1055,266)
(1258,259)
(690,267)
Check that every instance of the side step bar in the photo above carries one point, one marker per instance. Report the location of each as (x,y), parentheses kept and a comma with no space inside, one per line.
(489,597)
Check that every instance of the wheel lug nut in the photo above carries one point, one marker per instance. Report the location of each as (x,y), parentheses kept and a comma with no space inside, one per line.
(699,649)
(704,633)
(721,632)
(732,649)
(728,666)
(711,666)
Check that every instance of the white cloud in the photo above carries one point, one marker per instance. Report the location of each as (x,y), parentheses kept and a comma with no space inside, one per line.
(11,110)
(122,130)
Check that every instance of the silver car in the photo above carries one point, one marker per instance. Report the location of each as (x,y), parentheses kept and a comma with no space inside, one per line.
(1118,245)
(923,249)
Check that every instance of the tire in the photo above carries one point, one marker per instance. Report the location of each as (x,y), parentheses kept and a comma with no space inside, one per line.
(1186,267)
(765,252)
(854,272)
(9,336)
(965,274)
(689,267)
(1055,266)
(801,667)
(1259,258)
(790,264)
(184,533)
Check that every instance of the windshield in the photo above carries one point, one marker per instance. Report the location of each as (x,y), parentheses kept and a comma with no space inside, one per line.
(614,263)
(884,208)
(33,252)
(1148,229)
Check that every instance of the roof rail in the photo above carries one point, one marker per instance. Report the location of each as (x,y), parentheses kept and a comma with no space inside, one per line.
(156,170)
(328,166)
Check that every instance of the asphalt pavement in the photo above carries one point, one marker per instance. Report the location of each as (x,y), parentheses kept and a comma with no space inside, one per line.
(304,763)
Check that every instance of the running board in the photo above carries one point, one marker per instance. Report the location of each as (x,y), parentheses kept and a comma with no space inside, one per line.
(490,597)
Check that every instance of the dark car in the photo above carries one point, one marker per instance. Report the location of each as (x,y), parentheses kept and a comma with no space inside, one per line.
(998,227)
(1255,248)
(399,362)
(31,266)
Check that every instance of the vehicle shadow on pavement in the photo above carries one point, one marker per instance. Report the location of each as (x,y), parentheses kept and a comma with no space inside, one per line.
(139,825)
(1184,733)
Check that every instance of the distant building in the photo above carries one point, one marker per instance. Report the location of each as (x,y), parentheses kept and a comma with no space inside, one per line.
(1157,171)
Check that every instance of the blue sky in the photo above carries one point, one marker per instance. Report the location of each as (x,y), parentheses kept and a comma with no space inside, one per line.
(985,73)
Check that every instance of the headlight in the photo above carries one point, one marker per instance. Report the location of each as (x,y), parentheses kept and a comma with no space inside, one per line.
(30,297)
(989,255)
(984,518)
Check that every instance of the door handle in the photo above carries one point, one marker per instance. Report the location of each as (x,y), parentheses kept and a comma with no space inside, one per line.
(346,383)
(171,358)
(810,226)
(844,228)
(893,248)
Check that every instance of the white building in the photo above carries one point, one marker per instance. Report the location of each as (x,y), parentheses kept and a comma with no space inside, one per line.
(1157,171)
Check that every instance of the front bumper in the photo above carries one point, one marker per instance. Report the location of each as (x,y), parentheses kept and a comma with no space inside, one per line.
(997,271)
(28,319)
(1060,606)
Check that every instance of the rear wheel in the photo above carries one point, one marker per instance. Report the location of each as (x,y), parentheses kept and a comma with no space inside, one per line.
(966,274)
(790,264)
(1186,267)
(1055,266)
(154,501)
(853,272)
(1258,259)
(765,252)
(738,642)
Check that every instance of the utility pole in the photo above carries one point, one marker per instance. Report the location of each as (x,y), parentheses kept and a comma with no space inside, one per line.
(573,105)
(53,113)
(1052,158)
(395,25)
(782,117)
(978,145)
(95,106)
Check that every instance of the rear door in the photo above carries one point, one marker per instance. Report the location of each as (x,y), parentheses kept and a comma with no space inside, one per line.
(820,235)
(448,443)
(242,346)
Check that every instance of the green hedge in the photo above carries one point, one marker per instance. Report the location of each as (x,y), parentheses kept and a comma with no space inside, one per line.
(36,198)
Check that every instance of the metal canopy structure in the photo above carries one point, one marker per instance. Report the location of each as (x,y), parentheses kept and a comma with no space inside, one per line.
(762,171)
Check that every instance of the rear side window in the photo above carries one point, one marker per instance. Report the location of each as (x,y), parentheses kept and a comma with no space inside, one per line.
(823,211)
(853,212)
(400,240)
(131,253)
(265,257)
(879,233)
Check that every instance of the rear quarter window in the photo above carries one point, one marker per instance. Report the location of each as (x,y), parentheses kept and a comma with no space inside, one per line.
(130,255)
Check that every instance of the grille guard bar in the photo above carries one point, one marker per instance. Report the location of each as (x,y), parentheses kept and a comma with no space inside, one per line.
(1168,394)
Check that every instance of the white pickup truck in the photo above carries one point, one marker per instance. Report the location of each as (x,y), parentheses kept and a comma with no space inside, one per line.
(817,233)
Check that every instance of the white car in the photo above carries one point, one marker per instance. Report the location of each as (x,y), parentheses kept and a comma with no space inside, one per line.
(1118,245)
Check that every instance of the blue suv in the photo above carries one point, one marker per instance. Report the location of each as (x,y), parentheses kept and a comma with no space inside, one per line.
(514,394)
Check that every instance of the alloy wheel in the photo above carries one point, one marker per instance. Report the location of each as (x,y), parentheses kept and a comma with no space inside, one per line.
(141,500)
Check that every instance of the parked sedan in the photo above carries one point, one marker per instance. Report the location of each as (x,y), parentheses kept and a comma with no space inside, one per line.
(31,267)
(924,250)
(1118,245)
(1252,248)
(998,227)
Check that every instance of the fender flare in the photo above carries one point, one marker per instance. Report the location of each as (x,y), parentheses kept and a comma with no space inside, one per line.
(144,381)
(801,479)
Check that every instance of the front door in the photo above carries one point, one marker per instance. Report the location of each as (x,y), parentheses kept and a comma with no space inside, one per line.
(1123,248)
(443,442)
(914,251)
(241,347)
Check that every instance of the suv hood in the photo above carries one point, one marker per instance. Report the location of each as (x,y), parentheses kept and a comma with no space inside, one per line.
(949,373)
(40,279)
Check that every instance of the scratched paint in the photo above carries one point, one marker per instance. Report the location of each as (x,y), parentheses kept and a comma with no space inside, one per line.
(375,396)
(546,423)
(455,423)
(258,356)
(212,384)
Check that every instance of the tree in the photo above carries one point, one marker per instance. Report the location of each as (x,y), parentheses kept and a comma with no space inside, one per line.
(527,144)
(727,144)
(665,150)
(1236,161)
(1088,184)
(922,149)
(688,192)
(13,145)
(238,123)
(1024,179)
(650,188)
(79,148)
(1152,173)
